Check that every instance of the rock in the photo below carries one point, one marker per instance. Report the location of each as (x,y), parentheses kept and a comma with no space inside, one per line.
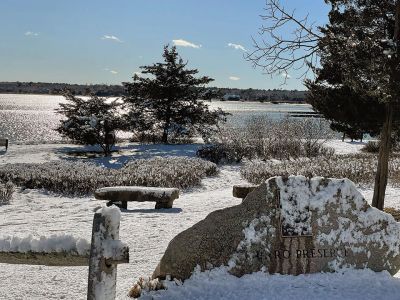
(289,225)
(241,191)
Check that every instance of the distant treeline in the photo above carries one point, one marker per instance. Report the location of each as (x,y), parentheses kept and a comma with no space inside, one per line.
(58,88)
(105,90)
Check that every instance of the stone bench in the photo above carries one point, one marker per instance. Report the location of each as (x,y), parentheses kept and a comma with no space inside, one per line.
(4,143)
(121,195)
(241,191)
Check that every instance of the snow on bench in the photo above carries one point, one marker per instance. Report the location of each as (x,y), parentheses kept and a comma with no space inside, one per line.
(120,195)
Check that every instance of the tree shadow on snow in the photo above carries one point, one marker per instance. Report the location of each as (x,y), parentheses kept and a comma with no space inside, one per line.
(122,154)
(355,142)
(174,210)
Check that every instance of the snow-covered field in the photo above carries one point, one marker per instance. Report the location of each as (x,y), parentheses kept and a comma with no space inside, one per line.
(147,232)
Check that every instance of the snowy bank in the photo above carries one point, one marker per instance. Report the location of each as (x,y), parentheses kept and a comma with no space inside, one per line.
(219,284)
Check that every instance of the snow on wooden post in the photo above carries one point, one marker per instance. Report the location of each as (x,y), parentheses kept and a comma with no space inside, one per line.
(105,253)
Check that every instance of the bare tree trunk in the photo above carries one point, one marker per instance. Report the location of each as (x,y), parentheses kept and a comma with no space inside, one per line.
(109,142)
(164,138)
(383,160)
(166,125)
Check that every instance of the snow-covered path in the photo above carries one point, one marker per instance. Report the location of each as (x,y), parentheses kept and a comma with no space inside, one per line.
(147,232)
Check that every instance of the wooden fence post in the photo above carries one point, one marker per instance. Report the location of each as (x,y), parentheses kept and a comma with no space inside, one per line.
(105,253)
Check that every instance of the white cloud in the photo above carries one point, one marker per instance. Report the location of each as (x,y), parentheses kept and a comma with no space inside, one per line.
(286,75)
(30,33)
(234,78)
(183,43)
(237,47)
(111,38)
(111,71)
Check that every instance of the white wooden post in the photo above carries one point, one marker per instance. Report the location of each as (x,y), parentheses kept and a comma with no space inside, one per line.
(105,253)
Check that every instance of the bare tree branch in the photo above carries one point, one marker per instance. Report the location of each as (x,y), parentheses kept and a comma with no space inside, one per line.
(278,54)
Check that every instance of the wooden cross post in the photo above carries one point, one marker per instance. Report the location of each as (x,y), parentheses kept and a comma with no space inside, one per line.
(105,253)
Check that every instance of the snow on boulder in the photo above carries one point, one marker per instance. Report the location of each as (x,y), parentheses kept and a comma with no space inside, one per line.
(289,225)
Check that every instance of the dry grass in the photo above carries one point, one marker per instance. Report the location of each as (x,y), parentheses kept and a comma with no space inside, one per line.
(359,168)
(263,138)
(394,212)
(6,192)
(78,178)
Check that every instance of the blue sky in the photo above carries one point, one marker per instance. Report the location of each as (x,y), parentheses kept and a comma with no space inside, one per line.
(103,41)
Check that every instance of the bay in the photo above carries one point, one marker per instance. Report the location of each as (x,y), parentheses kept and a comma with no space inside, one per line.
(32,119)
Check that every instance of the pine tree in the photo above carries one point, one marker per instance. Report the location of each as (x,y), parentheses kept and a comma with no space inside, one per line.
(166,99)
(360,66)
(360,57)
(90,121)
(350,112)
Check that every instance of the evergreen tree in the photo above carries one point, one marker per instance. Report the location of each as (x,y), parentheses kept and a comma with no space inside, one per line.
(165,99)
(90,121)
(351,113)
(360,63)
(360,67)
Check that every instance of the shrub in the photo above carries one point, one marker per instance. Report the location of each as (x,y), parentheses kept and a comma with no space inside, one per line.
(360,168)
(91,121)
(264,138)
(6,192)
(221,153)
(371,147)
(77,178)
(147,285)
(180,172)
(394,212)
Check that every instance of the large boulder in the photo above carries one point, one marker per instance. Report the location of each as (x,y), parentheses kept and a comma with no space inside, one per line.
(289,225)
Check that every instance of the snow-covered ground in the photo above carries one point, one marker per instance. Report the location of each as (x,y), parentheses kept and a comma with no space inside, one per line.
(148,231)
(345,147)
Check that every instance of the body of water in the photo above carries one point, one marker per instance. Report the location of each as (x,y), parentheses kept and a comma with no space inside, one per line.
(32,118)
(241,111)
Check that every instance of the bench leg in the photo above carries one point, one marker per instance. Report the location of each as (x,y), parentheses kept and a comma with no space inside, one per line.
(124,204)
(120,204)
(160,205)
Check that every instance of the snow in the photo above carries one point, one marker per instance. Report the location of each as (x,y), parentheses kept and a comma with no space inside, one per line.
(219,284)
(294,200)
(113,248)
(147,232)
(251,237)
(112,214)
(105,243)
(297,193)
(345,147)
(53,243)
